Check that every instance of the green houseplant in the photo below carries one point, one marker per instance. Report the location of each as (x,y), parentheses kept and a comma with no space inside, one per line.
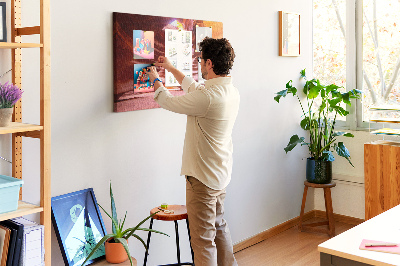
(119,235)
(324,105)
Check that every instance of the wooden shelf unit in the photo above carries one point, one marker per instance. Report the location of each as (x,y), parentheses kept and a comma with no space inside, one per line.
(9,45)
(16,127)
(42,131)
(24,208)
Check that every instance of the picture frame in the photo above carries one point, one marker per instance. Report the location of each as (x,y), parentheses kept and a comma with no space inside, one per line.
(3,22)
(78,226)
(289,34)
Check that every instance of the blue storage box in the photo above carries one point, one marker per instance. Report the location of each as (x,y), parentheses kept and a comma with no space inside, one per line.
(9,193)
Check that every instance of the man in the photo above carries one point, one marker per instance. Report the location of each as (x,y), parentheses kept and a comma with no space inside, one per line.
(207,155)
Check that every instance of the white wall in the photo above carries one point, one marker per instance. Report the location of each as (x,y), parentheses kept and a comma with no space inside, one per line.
(141,151)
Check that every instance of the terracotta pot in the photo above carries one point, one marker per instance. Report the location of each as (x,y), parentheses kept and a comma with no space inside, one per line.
(115,252)
(5,116)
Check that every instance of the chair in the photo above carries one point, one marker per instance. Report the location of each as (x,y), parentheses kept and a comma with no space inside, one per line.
(179,213)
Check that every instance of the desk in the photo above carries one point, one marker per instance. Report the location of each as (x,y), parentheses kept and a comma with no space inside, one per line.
(344,248)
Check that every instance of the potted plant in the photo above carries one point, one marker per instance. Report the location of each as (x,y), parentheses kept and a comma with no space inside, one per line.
(116,243)
(9,95)
(324,105)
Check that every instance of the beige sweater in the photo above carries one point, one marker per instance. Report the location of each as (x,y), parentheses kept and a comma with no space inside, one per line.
(211,111)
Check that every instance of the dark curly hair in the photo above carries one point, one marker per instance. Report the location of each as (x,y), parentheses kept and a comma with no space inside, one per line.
(220,52)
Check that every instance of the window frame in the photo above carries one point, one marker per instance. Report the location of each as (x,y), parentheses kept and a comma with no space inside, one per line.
(354,70)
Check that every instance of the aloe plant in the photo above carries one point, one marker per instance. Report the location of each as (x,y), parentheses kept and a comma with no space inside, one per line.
(320,124)
(119,234)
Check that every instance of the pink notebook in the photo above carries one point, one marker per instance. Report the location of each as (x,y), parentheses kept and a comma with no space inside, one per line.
(393,249)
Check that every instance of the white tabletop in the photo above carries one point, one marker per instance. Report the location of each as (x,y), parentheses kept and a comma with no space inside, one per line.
(384,227)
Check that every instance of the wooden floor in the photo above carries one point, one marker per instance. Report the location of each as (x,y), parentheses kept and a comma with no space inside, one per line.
(290,247)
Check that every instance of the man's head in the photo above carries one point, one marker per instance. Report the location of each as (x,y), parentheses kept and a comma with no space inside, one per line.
(217,55)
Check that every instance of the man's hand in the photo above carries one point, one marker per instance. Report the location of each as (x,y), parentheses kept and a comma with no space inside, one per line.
(152,72)
(165,63)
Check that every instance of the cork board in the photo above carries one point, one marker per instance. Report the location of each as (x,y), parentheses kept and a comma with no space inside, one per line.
(138,40)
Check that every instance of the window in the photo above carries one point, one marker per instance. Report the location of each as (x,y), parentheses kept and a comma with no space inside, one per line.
(364,54)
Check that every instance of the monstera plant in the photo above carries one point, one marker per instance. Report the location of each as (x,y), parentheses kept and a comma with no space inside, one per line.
(323,105)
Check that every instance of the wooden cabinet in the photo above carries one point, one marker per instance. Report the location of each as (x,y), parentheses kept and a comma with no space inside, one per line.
(18,129)
(382,177)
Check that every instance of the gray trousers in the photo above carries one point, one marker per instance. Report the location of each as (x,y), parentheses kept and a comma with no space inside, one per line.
(210,236)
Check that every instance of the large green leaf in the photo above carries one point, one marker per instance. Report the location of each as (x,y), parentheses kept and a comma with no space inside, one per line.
(355,93)
(309,85)
(280,94)
(346,98)
(343,151)
(305,123)
(327,156)
(345,134)
(331,87)
(313,92)
(341,111)
(113,211)
(294,140)
(283,93)
(334,102)
(102,240)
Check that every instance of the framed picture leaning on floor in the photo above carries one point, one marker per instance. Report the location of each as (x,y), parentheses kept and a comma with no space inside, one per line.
(78,226)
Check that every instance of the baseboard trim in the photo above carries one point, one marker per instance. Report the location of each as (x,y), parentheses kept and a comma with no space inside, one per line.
(289,224)
(340,218)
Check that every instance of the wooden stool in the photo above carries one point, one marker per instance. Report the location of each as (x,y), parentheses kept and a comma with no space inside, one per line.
(328,207)
(180,213)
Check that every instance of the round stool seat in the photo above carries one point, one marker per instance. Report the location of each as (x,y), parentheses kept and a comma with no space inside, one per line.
(180,213)
(308,184)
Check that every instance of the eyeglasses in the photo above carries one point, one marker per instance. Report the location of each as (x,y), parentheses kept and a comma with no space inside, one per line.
(199,59)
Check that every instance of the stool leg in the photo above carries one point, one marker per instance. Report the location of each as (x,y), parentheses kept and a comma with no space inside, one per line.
(190,240)
(148,242)
(178,252)
(303,204)
(329,211)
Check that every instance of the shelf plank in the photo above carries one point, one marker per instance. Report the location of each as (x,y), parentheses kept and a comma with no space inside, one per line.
(16,127)
(10,45)
(385,120)
(24,208)
(28,30)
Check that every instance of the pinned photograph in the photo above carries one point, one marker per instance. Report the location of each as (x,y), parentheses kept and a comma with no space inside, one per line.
(201,33)
(141,80)
(143,44)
